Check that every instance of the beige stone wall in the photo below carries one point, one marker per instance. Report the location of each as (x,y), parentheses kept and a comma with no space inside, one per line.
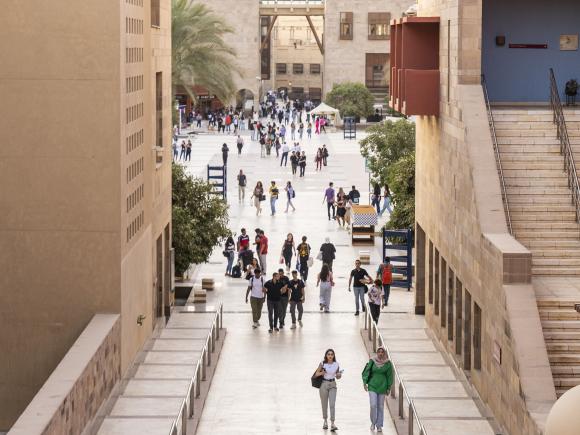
(459,207)
(345,61)
(71,162)
(286,32)
(83,380)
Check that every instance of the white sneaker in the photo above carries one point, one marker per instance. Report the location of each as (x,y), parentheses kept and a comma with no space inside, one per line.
(300,323)
(379,429)
(255,325)
(293,326)
(372,427)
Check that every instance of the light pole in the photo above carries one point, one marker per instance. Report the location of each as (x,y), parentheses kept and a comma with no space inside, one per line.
(178,109)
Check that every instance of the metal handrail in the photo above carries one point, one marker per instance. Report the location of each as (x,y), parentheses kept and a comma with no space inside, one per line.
(194,388)
(565,148)
(376,338)
(491,122)
(291,2)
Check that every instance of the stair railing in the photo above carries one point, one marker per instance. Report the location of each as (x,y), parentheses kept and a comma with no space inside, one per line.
(565,148)
(497,155)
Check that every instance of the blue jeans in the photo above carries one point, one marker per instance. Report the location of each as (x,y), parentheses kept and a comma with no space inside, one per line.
(231,256)
(386,206)
(387,292)
(359,294)
(273,205)
(377,402)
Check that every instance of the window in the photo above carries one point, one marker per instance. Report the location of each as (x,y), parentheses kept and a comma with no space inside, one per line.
(314,68)
(436,262)
(159,109)
(155,13)
(346,20)
(458,315)
(443,293)
(450,301)
(430,283)
(477,336)
(280,68)
(379,27)
(298,68)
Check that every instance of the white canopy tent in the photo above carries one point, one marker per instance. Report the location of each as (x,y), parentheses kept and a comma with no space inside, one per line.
(325,110)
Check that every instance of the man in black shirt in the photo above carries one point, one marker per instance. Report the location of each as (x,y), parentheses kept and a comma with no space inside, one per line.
(360,278)
(328,253)
(284,296)
(246,256)
(273,294)
(296,287)
(303,256)
(354,195)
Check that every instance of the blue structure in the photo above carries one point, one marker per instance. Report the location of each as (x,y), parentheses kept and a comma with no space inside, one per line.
(406,238)
(217,175)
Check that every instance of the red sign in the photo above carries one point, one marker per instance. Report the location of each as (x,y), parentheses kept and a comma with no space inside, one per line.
(541,46)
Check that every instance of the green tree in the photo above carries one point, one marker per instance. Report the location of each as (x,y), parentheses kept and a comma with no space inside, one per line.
(385,144)
(200,220)
(401,179)
(199,54)
(351,99)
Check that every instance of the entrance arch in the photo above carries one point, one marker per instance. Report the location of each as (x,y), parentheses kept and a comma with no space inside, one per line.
(245,100)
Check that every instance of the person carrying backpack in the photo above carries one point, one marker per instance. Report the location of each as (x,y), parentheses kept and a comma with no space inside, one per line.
(385,274)
(303,258)
(256,291)
(377,378)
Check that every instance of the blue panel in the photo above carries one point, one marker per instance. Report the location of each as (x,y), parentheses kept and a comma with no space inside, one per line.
(519,74)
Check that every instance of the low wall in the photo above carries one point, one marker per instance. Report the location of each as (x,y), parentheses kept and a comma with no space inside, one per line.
(84,378)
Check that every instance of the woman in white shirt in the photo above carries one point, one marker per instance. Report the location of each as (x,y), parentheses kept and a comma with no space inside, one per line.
(330,370)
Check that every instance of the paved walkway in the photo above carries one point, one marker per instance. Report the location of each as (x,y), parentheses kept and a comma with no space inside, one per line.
(262,383)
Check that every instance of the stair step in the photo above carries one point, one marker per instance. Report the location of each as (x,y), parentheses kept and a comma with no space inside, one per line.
(533,166)
(527,199)
(533,157)
(567,382)
(556,336)
(536,174)
(503,124)
(561,325)
(545,216)
(558,314)
(555,253)
(534,208)
(558,303)
(556,271)
(547,235)
(566,371)
(523,225)
(552,244)
(518,132)
(527,140)
(563,347)
(563,358)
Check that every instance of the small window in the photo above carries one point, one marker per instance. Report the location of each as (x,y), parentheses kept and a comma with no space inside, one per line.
(346,21)
(155,13)
(298,68)
(280,68)
(314,68)
(379,27)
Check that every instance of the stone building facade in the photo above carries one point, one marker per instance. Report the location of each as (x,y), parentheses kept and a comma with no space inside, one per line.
(473,277)
(86,127)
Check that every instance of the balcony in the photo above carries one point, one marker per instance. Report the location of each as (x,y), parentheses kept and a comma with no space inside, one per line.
(415,66)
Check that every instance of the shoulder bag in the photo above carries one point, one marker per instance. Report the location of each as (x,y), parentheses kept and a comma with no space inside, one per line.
(316,380)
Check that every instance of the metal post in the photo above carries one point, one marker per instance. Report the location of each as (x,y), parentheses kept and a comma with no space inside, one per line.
(401,402)
(197,382)
(203,359)
(370,332)
(183,422)
(366,320)
(209,346)
(374,328)
(411,419)
(192,398)
(394,390)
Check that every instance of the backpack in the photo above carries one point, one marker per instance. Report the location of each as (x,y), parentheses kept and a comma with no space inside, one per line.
(236,271)
(387,274)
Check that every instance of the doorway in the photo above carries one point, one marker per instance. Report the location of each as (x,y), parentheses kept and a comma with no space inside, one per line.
(376,69)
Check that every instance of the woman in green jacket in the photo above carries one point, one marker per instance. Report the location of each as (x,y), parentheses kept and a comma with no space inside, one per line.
(377,378)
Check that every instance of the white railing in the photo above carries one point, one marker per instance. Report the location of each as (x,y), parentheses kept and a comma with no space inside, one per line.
(398,389)
(194,389)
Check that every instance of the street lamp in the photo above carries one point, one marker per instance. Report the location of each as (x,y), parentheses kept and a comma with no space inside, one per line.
(178,109)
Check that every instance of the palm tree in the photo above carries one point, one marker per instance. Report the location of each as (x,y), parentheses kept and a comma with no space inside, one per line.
(200,55)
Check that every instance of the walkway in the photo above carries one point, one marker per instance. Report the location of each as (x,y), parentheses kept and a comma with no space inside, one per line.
(262,381)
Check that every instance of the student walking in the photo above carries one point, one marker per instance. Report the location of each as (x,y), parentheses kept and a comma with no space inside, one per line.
(304,258)
(256,290)
(376,197)
(377,378)
(258,196)
(273,296)
(360,278)
(273,197)
(328,252)
(318,159)
(330,198)
(288,249)
(240,144)
(302,163)
(375,295)
(290,194)
(262,250)
(285,293)
(330,370)
(242,180)
(341,203)
(325,155)
(188,151)
(225,151)
(326,283)
(285,151)
(183,152)
(230,254)
(294,162)
(385,275)
(386,201)
(296,287)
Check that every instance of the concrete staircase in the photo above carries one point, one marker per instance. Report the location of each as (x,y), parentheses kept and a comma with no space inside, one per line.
(543,217)
(380,95)
(561,325)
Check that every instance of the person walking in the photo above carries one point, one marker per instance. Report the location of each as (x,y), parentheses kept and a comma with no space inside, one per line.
(309,130)
(386,201)
(329,197)
(290,195)
(376,197)
(385,275)
(240,144)
(285,151)
(354,195)
(243,240)
(301,130)
(273,197)
(294,162)
(303,258)
(377,378)
(330,371)
(302,163)
(318,159)
(225,151)
(174,148)
(285,293)
(325,155)
(375,295)
(297,297)
(242,180)
(182,154)
(328,252)
(258,196)
(256,290)
(360,278)
(293,131)
(341,203)
(188,151)
(262,250)
(326,283)
(273,289)
(288,250)
(317,125)
(230,254)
